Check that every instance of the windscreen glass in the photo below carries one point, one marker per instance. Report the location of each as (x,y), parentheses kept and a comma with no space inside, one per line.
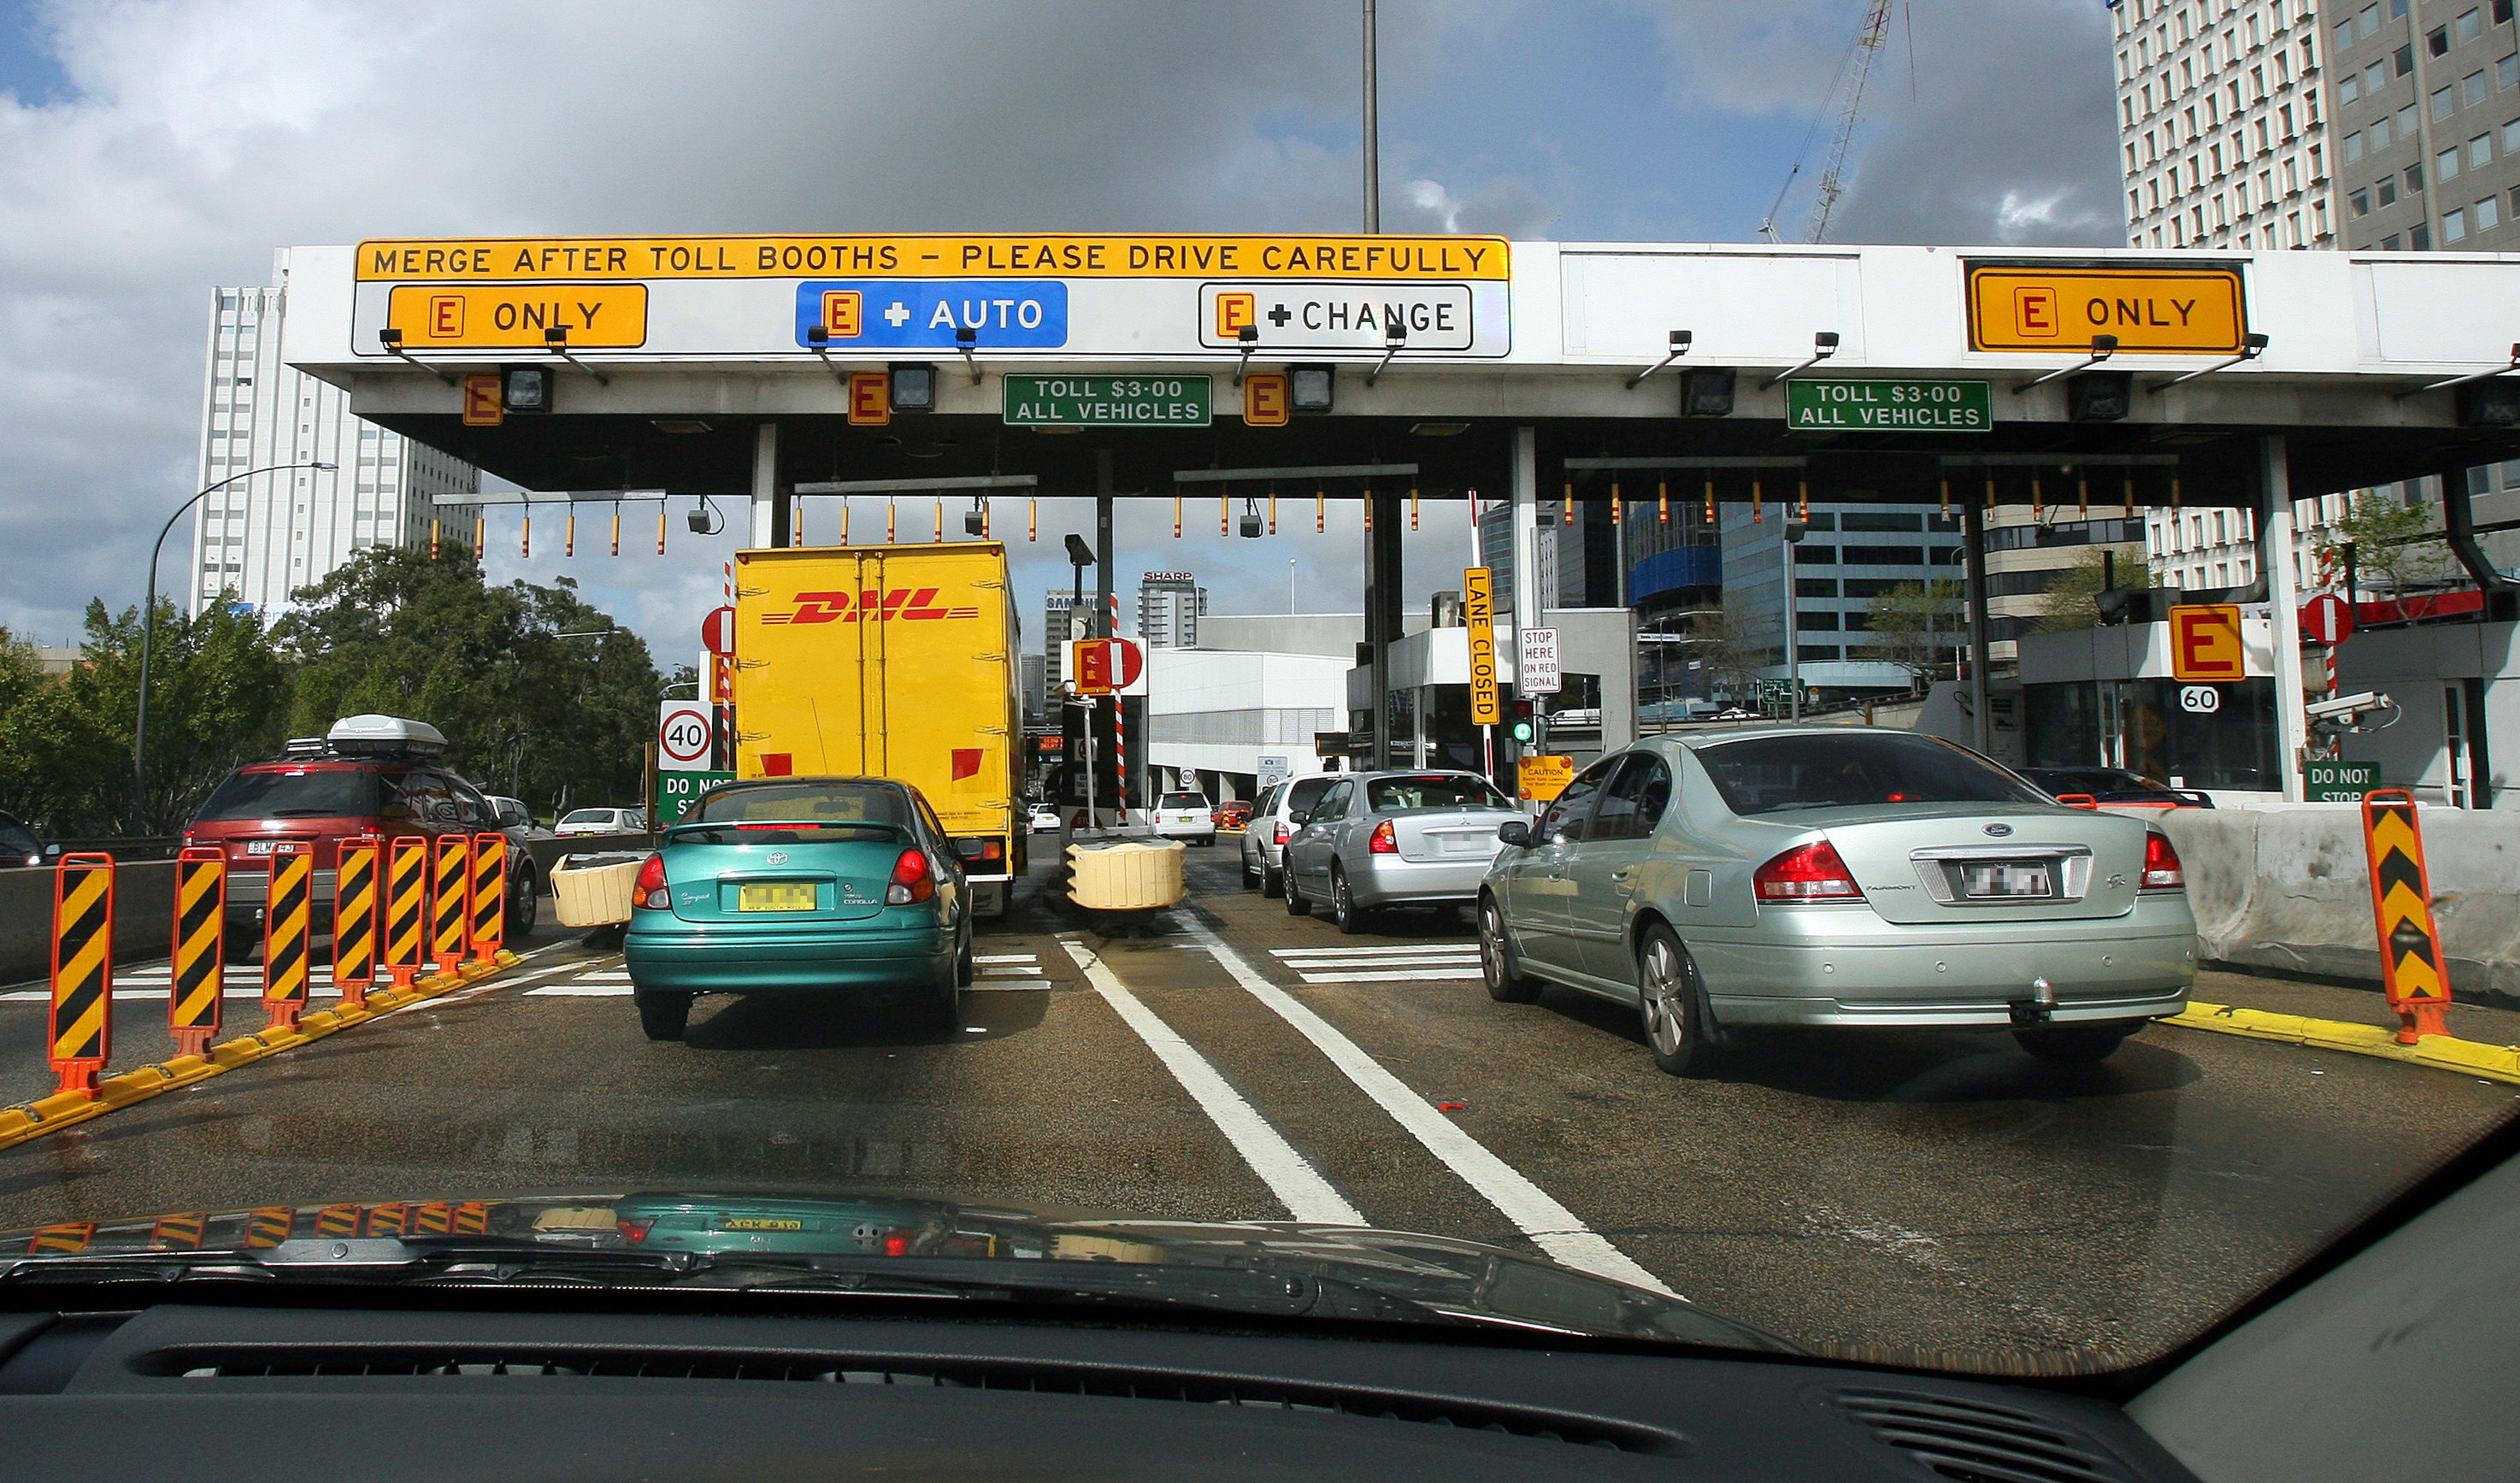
(803,802)
(1182,800)
(328,792)
(1768,775)
(1386,795)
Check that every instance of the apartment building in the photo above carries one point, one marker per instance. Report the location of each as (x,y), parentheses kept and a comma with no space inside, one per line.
(2225,123)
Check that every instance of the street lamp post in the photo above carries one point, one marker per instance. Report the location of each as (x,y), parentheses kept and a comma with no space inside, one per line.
(148,631)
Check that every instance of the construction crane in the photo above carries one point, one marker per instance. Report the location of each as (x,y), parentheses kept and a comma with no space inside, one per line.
(1853,72)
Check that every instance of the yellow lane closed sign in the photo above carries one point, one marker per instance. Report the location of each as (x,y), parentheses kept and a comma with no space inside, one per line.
(2174,311)
(1478,614)
(516,316)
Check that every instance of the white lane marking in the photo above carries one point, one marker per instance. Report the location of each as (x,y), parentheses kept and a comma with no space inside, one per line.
(1551,1226)
(1430,960)
(1418,975)
(580,989)
(1019,973)
(1385,951)
(1008,958)
(1297,1185)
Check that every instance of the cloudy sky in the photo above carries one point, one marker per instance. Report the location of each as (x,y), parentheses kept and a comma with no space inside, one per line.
(153,149)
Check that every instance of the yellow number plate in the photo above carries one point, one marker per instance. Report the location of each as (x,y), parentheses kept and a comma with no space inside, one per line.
(774,898)
(747,1223)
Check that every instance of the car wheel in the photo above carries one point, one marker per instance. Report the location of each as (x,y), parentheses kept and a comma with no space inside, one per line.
(965,969)
(1505,980)
(1272,882)
(1667,1002)
(525,902)
(1344,907)
(663,1015)
(1296,905)
(2075,1044)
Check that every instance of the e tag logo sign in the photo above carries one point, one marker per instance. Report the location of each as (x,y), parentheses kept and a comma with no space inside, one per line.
(2205,644)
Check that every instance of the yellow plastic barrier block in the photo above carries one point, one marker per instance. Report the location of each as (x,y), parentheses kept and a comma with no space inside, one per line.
(2441,1053)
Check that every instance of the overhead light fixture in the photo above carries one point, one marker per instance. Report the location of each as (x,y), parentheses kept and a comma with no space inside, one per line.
(680,426)
(2100,396)
(818,338)
(2461,380)
(1824,345)
(555,341)
(704,518)
(966,340)
(392,340)
(1707,392)
(1310,388)
(1439,430)
(526,388)
(1681,339)
(1248,337)
(1395,339)
(2251,347)
(1078,553)
(914,385)
(2489,403)
(2102,348)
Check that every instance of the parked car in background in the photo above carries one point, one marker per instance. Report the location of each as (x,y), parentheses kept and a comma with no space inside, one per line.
(1271,825)
(369,775)
(1397,838)
(1186,817)
(1825,875)
(19,846)
(515,820)
(1231,813)
(789,886)
(1045,818)
(601,820)
(2114,786)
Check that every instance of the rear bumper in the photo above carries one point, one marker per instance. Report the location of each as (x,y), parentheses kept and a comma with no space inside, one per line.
(678,960)
(1390,881)
(1844,969)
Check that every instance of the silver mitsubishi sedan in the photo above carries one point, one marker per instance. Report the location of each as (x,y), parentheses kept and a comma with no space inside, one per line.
(1378,839)
(1839,876)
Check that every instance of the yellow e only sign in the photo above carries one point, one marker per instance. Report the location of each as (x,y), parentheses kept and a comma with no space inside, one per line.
(1478,614)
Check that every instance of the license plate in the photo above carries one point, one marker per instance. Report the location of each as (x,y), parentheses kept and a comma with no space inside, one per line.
(1464,845)
(774,898)
(748,1223)
(259,847)
(1996,882)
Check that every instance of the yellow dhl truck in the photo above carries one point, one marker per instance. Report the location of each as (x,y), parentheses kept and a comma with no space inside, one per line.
(889,661)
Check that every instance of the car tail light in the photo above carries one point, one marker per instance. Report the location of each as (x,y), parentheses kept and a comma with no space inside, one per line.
(2162,871)
(635,1231)
(1282,832)
(1806,873)
(1382,841)
(2078,800)
(912,880)
(649,891)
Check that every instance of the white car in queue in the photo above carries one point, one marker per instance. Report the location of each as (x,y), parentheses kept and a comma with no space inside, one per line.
(1395,838)
(1186,817)
(601,820)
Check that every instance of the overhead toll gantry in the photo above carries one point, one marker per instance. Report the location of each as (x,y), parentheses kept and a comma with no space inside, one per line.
(785,370)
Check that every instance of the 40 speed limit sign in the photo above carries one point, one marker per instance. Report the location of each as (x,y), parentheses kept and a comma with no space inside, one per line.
(682,737)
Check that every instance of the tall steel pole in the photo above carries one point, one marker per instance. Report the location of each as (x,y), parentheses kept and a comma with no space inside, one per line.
(1373,132)
(149,633)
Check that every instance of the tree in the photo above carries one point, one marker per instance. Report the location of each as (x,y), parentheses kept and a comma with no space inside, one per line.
(1726,649)
(1917,627)
(2074,602)
(527,712)
(2395,546)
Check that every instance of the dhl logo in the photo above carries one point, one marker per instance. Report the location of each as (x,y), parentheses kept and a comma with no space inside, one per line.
(911,604)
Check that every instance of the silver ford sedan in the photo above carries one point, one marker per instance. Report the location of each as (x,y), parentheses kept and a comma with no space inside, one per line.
(1839,876)
(1377,839)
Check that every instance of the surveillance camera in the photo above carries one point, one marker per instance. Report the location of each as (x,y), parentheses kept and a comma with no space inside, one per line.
(2347,713)
(700,523)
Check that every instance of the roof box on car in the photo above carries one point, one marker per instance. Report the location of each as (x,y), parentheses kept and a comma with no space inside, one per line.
(384,736)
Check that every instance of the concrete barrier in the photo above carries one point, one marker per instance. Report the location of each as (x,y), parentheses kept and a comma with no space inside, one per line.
(2285,887)
(144,916)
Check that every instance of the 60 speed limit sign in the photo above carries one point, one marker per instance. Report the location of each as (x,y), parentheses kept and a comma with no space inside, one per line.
(682,737)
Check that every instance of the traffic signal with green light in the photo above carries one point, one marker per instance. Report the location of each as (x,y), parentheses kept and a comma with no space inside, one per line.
(1525,726)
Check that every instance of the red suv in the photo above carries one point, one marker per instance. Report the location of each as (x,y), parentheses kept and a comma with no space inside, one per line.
(372,775)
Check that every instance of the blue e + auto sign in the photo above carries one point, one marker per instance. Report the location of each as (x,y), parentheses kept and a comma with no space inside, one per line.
(898,314)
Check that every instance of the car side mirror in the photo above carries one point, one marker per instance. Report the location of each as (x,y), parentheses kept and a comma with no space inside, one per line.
(1299,816)
(1514,832)
(52,849)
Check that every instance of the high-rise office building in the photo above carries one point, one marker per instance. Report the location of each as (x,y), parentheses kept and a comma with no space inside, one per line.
(261,538)
(1062,619)
(1169,606)
(2226,132)
(1851,554)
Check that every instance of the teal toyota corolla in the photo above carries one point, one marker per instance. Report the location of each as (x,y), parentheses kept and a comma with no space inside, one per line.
(787,885)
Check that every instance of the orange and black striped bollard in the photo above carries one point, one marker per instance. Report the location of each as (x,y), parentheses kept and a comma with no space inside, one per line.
(81,1026)
(198,978)
(286,926)
(354,918)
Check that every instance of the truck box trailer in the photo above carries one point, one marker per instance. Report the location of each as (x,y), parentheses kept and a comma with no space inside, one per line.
(890,661)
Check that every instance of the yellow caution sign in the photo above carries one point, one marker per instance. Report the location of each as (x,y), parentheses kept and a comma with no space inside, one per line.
(1543,779)
(1478,612)
(81,1028)
(489,897)
(287,928)
(2057,309)
(2410,954)
(354,917)
(519,316)
(199,949)
(449,905)
(406,907)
